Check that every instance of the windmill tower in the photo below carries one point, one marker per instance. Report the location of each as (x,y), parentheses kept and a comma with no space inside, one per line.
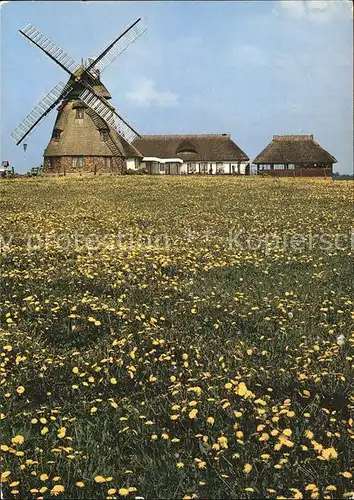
(89,135)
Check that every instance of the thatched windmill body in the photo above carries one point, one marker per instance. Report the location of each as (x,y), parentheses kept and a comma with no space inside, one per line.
(89,135)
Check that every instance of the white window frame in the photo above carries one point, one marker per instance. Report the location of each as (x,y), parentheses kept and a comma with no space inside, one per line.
(80,113)
(220,167)
(78,161)
(103,134)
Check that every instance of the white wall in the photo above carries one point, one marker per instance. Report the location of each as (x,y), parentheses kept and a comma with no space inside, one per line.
(131,163)
(215,165)
(183,167)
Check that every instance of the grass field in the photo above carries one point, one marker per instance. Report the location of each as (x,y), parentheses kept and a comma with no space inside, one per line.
(177,338)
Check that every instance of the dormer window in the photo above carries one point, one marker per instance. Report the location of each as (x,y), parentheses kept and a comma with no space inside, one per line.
(79,113)
(186,148)
(56,134)
(103,134)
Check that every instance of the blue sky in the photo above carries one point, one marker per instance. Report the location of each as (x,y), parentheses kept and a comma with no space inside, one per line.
(252,69)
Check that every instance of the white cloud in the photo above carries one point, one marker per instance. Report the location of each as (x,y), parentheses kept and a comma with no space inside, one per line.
(145,94)
(316,10)
(295,8)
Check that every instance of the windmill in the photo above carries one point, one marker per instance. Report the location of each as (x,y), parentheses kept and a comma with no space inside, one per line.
(105,139)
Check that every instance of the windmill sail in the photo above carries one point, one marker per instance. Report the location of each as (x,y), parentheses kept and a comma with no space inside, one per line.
(112,51)
(48,102)
(109,115)
(50,48)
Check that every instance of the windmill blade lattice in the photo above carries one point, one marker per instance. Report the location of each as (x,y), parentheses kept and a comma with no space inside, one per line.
(115,48)
(109,115)
(48,102)
(52,50)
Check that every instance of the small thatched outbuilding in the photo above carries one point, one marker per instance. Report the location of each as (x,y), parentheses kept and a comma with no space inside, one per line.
(294,155)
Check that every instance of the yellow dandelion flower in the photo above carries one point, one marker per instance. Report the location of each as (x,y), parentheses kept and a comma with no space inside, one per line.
(329,453)
(111,491)
(44,431)
(4,475)
(113,381)
(346,474)
(57,489)
(18,439)
(43,477)
(99,479)
(193,413)
(247,468)
(242,389)
(264,437)
(180,465)
(309,434)
(222,440)
(20,389)
(123,492)
(210,420)
(80,484)
(311,487)
(61,432)
(297,494)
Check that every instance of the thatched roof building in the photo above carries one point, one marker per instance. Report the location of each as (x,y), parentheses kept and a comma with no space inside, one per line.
(82,142)
(294,155)
(85,137)
(294,149)
(191,148)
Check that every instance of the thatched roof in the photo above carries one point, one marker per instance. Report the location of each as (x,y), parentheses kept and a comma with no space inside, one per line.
(82,137)
(294,149)
(204,147)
